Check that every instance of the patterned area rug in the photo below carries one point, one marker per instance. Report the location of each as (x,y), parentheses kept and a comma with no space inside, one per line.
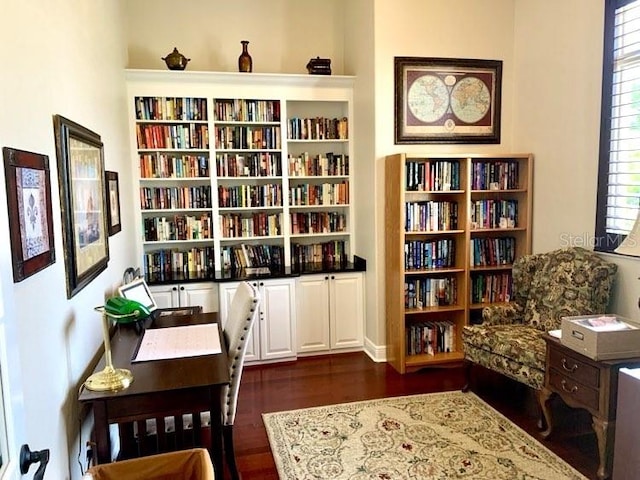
(432,436)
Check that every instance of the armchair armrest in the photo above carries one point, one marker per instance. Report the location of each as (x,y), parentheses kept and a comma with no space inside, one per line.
(504,314)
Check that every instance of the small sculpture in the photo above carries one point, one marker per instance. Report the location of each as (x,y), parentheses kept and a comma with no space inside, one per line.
(176,61)
(245,62)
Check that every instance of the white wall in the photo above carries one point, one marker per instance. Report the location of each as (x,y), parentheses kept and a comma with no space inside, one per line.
(283,34)
(62,57)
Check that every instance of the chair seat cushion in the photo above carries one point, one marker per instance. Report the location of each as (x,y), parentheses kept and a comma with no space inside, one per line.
(521,343)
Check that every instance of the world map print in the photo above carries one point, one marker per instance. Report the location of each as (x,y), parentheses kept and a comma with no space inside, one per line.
(470,99)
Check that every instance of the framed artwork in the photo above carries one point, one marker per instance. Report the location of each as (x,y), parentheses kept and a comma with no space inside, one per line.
(82,202)
(113,203)
(447,100)
(29,206)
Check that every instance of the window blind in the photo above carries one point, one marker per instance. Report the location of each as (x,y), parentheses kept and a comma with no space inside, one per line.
(623,192)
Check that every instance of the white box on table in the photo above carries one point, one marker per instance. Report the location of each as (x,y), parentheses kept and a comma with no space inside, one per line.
(602,336)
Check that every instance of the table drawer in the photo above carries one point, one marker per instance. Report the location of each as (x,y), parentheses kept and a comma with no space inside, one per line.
(577,392)
(574,368)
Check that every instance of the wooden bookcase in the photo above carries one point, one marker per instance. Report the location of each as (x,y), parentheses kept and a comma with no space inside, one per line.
(453,226)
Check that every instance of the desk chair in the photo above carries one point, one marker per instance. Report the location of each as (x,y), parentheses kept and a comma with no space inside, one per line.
(242,314)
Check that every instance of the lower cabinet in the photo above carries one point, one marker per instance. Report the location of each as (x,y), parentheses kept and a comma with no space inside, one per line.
(273,335)
(330,312)
(186,295)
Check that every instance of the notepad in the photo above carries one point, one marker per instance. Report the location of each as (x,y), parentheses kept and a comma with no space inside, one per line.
(179,342)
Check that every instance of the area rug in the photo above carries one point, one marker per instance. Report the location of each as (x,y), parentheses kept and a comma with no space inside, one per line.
(431,436)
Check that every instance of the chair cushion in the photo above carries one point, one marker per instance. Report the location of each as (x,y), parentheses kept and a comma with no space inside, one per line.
(521,343)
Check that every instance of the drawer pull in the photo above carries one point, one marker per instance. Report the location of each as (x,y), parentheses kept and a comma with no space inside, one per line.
(570,369)
(573,389)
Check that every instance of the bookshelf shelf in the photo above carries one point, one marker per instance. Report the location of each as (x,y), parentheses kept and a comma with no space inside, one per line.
(434,209)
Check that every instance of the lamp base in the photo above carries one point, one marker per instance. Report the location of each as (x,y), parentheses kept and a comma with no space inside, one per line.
(109,379)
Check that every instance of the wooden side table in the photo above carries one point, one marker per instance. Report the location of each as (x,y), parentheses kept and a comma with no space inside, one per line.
(584,383)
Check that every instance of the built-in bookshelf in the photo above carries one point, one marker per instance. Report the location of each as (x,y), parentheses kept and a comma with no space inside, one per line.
(454,225)
(237,171)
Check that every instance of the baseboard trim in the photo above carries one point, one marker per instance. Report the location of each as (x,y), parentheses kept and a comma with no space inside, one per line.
(377,353)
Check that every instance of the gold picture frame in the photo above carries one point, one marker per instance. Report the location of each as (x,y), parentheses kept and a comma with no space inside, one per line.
(82,202)
(447,100)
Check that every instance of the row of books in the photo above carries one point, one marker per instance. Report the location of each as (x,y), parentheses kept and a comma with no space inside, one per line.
(490,213)
(318,222)
(258,164)
(178,227)
(172,136)
(248,137)
(198,261)
(430,338)
(433,175)
(245,256)
(424,255)
(171,108)
(330,254)
(430,292)
(160,198)
(491,252)
(241,110)
(318,128)
(325,194)
(491,288)
(259,224)
(240,196)
(431,216)
(329,164)
(161,165)
(495,175)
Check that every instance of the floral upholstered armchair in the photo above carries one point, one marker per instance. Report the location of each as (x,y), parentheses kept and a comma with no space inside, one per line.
(546,287)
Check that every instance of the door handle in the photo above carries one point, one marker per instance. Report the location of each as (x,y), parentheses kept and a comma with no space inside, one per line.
(27,457)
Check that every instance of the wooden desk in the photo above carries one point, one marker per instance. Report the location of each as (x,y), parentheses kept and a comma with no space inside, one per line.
(584,383)
(161,388)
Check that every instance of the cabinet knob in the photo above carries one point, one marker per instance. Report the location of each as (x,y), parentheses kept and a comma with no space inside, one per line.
(262,284)
(327,277)
(181,288)
(174,289)
(333,277)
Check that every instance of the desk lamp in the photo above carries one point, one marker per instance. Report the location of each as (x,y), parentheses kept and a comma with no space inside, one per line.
(631,244)
(122,311)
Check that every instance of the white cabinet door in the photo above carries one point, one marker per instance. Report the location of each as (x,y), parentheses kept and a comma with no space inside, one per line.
(202,294)
(347,310)
(312,313)
(186,295)
(277,318)
(226,291)
(165,296)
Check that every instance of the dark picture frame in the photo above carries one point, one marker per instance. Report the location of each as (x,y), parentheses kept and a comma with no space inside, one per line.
(82,202)
(28,182)
(447,100)
(112,193)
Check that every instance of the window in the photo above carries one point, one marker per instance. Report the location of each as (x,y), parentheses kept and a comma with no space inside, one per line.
(619,165)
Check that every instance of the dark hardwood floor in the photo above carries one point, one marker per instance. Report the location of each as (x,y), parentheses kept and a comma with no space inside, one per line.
(331,379)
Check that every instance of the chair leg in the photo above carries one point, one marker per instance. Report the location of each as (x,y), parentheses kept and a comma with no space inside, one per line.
(467,375)
(227,436)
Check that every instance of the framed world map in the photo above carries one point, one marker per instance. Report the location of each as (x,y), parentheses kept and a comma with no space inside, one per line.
(447,100)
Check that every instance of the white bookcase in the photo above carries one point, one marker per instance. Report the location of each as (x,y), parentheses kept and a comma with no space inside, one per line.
(291,198)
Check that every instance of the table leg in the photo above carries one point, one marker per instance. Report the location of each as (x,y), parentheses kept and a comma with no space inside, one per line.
(605,433)
(216,432)
(101,433)
(544,396)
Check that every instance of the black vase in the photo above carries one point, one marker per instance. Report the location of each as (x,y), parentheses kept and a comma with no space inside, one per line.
(245,62)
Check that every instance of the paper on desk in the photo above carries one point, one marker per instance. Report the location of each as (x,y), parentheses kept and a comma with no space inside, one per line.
(179,342)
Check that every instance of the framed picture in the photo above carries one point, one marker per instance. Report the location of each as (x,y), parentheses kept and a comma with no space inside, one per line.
(447,100)
(82,202)
(29,205)
(113,203)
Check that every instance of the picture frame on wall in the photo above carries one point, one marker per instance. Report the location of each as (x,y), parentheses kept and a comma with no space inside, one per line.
(28,183)
(113,202)
(82,202)
(447,100)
